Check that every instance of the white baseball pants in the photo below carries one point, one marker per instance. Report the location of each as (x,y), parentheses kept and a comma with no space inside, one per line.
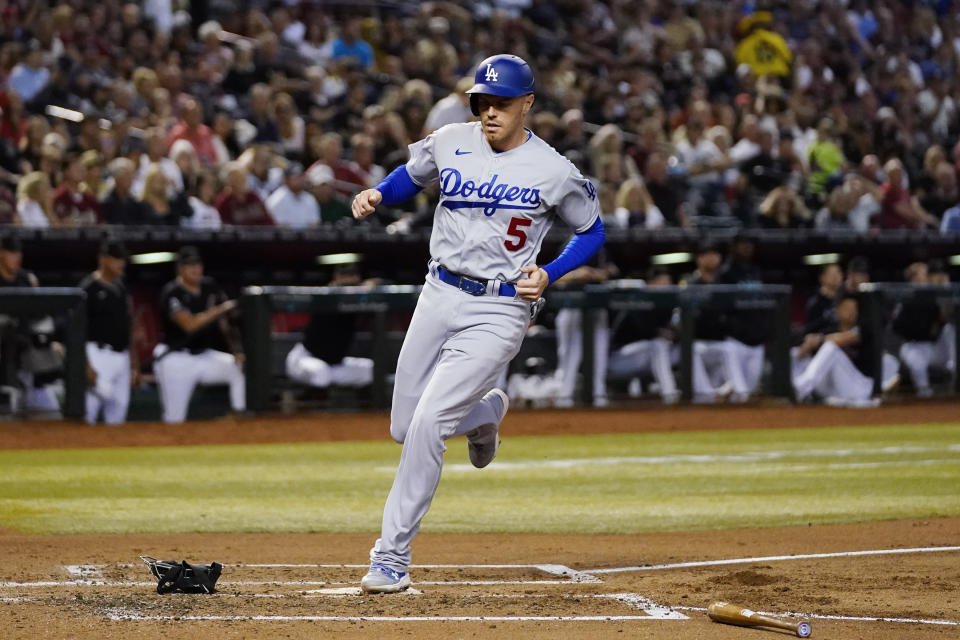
(569,326)
(179,372)
(112,391)
(920,356)
(308,369)
(454,351)
(654,356)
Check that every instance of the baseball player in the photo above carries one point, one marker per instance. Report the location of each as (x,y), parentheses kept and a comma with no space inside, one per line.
(841,371)
(321,358)
(570,341)
(501,189)
(644,343)
(197,346)
(920,326)
(110,367)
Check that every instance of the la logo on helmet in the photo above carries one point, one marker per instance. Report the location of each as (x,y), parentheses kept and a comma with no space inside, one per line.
(491,74)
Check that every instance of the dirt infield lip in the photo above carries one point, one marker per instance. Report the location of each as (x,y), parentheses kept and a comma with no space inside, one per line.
(331,427)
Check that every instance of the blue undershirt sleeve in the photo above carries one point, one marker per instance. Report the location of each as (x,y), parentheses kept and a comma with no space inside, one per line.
(580,249)
(398,186)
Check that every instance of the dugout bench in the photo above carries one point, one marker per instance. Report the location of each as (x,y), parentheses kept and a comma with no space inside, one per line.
(693,302)
(42,301)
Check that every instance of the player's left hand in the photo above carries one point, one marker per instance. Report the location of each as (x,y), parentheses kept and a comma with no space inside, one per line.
(531,287)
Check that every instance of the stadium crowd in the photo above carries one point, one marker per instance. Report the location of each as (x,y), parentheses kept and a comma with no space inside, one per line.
(834,114)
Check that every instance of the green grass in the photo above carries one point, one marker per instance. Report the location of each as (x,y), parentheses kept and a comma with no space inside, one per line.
(571,484)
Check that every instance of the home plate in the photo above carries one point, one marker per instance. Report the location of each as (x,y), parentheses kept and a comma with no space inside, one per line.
(356,591)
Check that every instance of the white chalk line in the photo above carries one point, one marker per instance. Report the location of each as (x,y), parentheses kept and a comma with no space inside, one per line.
(806,556)
(818,616)
(275,583)
(749,456)
(134,617)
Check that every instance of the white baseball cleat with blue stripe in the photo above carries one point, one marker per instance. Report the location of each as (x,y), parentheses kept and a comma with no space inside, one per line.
(383,579)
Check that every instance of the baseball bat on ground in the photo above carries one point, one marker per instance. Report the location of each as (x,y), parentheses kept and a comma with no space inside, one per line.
(733,614)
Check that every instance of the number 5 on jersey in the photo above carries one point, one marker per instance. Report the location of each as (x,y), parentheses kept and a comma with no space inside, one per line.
(516,230)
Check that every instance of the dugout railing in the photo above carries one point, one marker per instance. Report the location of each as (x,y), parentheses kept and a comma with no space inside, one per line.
(694,304)
(878,304)
(257,305)
(70,303)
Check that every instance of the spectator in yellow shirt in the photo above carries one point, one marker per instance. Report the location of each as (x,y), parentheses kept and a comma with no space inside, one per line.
(765,51)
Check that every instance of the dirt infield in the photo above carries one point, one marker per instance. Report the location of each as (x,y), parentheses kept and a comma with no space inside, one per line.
(558,587)
(873,580)
(375,426)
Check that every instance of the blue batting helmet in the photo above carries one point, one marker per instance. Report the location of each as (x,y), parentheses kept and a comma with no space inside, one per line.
(501,75)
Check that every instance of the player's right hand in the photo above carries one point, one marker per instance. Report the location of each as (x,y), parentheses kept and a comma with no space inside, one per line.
(365,202)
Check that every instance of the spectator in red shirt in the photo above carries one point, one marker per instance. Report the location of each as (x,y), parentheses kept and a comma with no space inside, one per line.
(71,206)
(13,123)
(899,209)
(237,204)
(330,148)
(191,128)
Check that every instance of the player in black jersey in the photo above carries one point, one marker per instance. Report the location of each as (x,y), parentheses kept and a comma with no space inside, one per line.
(110,367)
(198,345)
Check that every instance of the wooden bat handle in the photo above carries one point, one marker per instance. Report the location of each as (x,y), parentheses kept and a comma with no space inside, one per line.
(734,614)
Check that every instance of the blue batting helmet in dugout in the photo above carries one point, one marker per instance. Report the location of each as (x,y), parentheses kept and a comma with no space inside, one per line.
(503,75)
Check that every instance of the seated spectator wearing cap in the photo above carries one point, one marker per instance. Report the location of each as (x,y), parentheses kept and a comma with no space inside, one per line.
(900,209)
(190,127)
(111,369)
(291,205)
(321,359)
(237,204)
(198,346)
(203,212)
(333,206)
(119,206)
(71,206)
(34,201)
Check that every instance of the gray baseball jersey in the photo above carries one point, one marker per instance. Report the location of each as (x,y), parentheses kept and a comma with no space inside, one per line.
(496,208)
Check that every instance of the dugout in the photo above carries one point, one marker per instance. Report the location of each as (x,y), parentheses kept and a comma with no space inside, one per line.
(70,302)
(879,301)
(695,304)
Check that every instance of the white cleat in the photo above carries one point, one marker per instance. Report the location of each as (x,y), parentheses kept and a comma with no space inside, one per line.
(383,579)
(483,442)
